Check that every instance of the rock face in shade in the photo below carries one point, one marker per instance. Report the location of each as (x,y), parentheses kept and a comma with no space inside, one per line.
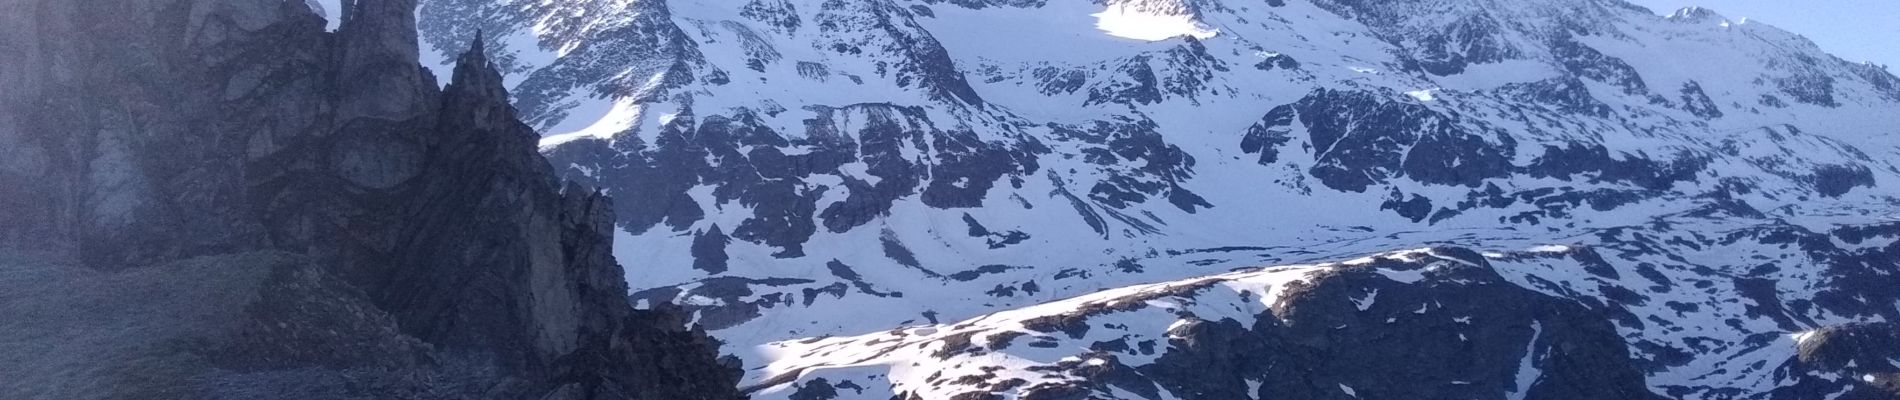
(418,245)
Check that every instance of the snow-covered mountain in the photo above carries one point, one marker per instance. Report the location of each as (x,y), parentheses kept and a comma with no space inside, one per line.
(926,198)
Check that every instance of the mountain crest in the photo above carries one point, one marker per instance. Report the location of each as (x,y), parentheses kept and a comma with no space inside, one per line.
(1696,14)
(477,77)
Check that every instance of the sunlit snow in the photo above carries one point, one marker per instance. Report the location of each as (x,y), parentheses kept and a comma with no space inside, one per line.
(1549,249)
(330,10)
(1121,21)
(618,117)
(1801,337)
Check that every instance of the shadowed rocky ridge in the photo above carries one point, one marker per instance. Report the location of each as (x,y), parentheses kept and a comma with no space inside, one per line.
(299,213)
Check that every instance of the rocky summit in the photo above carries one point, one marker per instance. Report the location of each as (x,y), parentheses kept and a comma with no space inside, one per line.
(941,199)
(222,199)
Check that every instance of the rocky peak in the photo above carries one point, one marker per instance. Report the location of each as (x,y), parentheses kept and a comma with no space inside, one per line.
(1695,14)
(475,77)
(380,71)
(411,230)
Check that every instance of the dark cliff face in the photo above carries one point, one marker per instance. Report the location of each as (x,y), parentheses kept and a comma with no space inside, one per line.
(425,236)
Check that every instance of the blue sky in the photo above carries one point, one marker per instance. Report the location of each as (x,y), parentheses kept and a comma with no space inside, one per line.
(1856,30)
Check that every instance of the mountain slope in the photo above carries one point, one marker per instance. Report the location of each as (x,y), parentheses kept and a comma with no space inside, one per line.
(796,169)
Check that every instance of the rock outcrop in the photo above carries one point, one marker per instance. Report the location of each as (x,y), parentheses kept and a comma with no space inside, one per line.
(1441,326)
(418,234)
(1848,361)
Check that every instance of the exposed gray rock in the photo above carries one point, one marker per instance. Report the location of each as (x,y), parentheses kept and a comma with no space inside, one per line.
(435,253)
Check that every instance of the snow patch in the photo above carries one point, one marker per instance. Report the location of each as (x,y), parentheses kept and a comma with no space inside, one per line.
(1406,276)
(1549,249)
(1366,303)
(330,10)
(1801,337)
(1121,21)
(623,115)
(1527,371)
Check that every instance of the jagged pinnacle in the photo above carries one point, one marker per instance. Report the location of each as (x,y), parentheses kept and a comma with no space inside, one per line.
(477,53)
(473,71)
(478,47)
